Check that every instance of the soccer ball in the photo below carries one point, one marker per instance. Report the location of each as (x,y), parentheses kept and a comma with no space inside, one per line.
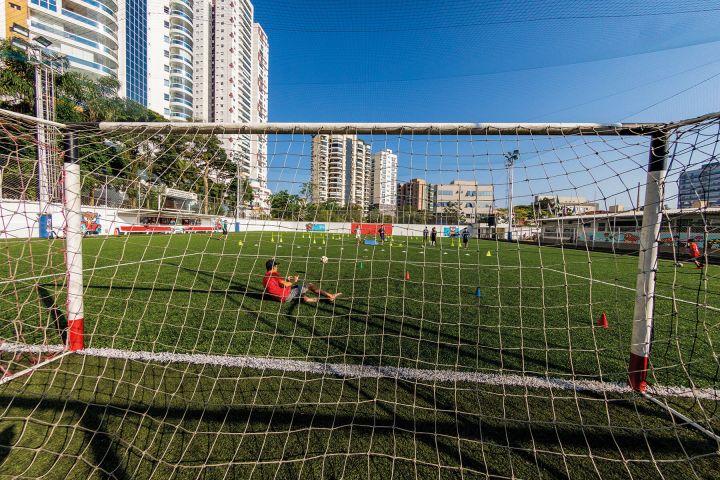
(679,264)
(324,259)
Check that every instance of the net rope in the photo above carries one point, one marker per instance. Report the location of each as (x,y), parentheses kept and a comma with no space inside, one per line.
(485,359)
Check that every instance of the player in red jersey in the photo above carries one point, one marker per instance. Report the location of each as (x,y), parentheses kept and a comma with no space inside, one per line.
(284,290)
(694,253)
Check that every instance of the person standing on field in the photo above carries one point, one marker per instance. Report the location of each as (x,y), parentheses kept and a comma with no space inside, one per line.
(465,238)
(425,235)
(433,236)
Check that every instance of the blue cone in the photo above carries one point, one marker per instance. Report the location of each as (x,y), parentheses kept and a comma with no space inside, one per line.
(477,292)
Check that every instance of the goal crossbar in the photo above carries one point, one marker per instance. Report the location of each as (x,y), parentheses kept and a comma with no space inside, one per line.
(283,128)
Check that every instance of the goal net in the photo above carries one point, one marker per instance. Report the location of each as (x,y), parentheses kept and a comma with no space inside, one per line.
(467,300)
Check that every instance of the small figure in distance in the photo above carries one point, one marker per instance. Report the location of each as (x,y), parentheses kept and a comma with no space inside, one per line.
(284,290)
(465,237)
(433,236)
(225,227)
(358,236)
(381,231)
(425,235)
(694,253)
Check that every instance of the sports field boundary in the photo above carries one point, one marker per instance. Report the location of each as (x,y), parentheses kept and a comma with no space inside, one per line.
(344,370)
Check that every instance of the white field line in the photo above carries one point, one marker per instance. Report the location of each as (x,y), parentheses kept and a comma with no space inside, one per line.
(368,371)
(105,267)
(595,280)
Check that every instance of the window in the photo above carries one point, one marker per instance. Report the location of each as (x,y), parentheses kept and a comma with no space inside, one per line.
(166,9)
(471,193)
(166,53)
(167,24)
(469,205)
(167,96)
(167,82)
(15,7)
(167,68)
(167,39)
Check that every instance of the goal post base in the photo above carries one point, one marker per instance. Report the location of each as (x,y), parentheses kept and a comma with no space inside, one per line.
(637,372)
(76,334)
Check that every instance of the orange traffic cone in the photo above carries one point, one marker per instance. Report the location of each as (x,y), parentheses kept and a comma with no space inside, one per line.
(603,322)
(407,275)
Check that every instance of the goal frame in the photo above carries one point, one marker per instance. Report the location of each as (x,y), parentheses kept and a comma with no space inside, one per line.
(658,133)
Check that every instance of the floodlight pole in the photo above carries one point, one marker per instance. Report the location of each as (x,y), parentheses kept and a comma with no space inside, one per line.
(647,263)
(73,244)
(510,159)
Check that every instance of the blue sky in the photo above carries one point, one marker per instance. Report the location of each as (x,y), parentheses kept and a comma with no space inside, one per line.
(492,61)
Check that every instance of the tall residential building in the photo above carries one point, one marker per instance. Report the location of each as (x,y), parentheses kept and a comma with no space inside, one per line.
(230,59)
(156,60)
(358,159)
(383,186)
(414,194)
(474,200)
(328,168)
(259,114)
(84,31)
(700,187)
(341,170)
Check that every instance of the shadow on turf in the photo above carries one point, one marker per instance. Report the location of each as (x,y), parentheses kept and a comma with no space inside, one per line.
(457,440)
(447,344)
(6,436)
(47,298)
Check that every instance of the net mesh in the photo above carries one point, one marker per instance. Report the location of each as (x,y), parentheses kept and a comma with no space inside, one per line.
(452,350)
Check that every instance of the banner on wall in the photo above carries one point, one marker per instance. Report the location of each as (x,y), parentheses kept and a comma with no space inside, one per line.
(315,227)
(451,231)
(370,228)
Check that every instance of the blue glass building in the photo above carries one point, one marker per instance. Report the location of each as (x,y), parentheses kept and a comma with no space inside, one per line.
(136,50)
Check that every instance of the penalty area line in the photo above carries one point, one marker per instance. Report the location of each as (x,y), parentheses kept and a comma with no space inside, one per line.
(344,370)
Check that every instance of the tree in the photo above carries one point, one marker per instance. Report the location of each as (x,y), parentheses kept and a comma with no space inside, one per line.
(452,214)
(210,158)
(283,205)
(306,191)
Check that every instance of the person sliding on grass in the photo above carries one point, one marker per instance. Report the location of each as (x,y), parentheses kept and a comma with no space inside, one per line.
(283,290)
(694,253)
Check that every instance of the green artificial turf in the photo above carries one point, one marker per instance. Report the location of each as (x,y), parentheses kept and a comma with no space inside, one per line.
(536,316)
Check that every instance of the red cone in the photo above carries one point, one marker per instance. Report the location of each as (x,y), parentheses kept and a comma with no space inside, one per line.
(407,275)
(602,322)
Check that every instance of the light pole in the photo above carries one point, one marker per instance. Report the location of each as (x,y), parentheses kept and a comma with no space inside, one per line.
(46,64)
(510,159)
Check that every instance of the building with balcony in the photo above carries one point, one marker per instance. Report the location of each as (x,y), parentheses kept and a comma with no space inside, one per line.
(341,170)
(383,181)
(230,63)
(156,64)
(259,114)
(414,194)
(84,31)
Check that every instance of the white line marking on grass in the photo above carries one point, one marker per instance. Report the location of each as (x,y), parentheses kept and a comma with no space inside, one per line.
(105,267)
(369,371)
(680,300)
